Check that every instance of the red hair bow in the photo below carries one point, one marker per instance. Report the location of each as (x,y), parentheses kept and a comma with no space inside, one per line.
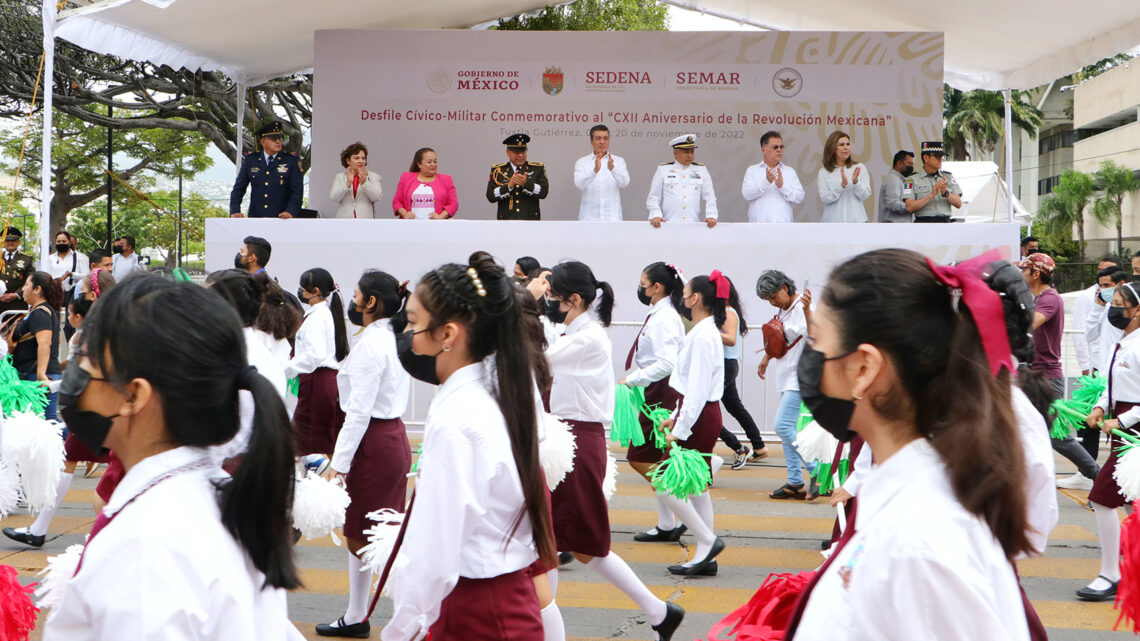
(723,287)
(984,304)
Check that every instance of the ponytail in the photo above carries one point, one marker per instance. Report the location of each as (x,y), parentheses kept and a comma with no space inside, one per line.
(606,303)
(573,277)
(670,278)
(734,303)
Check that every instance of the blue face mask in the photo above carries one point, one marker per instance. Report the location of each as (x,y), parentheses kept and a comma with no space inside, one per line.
(1105,294)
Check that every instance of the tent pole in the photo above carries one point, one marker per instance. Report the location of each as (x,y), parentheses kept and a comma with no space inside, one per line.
(49,20)
(240,124)
(1007,94)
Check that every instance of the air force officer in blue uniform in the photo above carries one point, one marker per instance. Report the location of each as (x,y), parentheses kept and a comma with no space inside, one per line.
(274,177)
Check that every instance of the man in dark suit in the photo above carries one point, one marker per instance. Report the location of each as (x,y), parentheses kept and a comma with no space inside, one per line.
(15,270)
(274,175)
(517,185)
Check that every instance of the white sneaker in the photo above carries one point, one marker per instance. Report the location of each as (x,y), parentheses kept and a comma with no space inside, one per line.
(717,463)
(1077,481)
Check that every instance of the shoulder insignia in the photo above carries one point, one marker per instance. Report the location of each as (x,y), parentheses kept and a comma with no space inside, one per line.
(247,153)
(667,163)
(536,164)
(946,173)
(699,164)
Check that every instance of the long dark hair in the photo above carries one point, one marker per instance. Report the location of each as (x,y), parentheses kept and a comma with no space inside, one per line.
(279,316)
(318,279)
(494,326)
(668,276)
(707,290)
(734,303)
(937,354)
(530,316)
(573,277)
(528,264)
(187,342)
(236,286)
(389,294)
(52,292)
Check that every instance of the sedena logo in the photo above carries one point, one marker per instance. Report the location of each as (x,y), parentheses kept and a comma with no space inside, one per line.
(552,81)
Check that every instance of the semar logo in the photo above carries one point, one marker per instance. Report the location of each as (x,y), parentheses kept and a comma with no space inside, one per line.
(552,81)
(787,82)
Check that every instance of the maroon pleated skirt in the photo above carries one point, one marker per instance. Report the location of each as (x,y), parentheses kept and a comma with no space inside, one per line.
(580,510)
(706,431)
(317,420)
(76,451)
(502,608)
(111,477)
(658,393)
(378,477)
(1105,491)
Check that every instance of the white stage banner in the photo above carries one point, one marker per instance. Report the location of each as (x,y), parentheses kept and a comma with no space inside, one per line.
(617,252)
(463,92)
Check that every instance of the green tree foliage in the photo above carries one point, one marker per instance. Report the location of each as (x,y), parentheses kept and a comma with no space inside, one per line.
(151,229)
(593,15)
(978,117)
(1065,208)
(1115,182)
(79,158)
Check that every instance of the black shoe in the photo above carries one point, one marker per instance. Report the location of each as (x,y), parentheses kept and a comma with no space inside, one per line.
(825,544)
(704,566)
(565,557)
(1107,594)
(662,536)
(25,538)
(341,629)
(673,616)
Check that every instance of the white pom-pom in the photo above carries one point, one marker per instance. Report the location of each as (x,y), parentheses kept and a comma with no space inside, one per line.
(609,483)
(58,571)
(9,488)
(381,542)
(816,444)
(556,451)
(34,446)
(319,506)
(1127,473)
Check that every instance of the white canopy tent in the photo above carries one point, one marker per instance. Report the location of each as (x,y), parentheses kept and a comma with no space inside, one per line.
(989,45)
(985,196)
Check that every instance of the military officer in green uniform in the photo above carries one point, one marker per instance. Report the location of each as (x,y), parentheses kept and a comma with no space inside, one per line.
(274,176)
(517,185)
(15,270)
(929,193)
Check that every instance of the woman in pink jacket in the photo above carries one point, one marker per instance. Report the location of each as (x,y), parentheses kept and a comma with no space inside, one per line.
(424,193)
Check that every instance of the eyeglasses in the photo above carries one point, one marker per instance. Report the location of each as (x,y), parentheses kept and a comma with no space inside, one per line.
(775,147)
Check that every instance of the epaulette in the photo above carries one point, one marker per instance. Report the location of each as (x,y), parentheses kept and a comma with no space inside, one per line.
(699,164)
(536,164)
(247,153)
(946,173)
(667,163)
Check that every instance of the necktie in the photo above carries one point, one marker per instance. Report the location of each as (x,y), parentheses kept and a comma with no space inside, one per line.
(633,348)
(1115,351)
(801,604)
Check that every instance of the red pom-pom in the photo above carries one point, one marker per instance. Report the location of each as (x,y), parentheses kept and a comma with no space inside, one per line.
(17,612)
(1128,589)
(766,615)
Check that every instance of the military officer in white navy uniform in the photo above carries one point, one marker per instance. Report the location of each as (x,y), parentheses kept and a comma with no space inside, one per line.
(679,187)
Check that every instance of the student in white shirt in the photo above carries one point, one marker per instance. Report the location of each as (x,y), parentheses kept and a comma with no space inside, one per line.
(771,187)
(181,550)
(649,364)
(699,378)
(843,183)
(938,523)
(372,454)
(320,347)
(1123,404)
(481,515)
(582,394)
(600,177)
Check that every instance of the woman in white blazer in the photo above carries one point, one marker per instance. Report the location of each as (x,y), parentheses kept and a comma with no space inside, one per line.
(356,188)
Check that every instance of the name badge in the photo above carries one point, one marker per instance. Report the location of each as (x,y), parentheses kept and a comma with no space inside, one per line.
(254,170)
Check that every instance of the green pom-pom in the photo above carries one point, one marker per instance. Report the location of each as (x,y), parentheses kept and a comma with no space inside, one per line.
(18,395)
(657,415)
(293,386)
(683,474)
(1068,416)
(626,428)
(804,418)
(419,453)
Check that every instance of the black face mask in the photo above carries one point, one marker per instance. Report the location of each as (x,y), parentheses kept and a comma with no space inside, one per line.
(89,427)
(642,297)
(62,247)
(1117,319)
(355,316)
(554,313)
(420,366)
(832,414)
(237,261)
(686,311)
(302,296)
(117,249)
(907,171)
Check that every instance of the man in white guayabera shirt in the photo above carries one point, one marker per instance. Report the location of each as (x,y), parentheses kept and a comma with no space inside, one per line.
(600,176)
(771,187)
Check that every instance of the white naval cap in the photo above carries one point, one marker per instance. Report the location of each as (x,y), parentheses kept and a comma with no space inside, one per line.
(687,141)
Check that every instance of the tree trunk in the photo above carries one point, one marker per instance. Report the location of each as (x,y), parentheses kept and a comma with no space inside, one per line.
(1081,234)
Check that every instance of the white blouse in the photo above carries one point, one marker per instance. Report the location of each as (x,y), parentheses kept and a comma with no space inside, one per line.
(315,344)
(1041,511)
(372,383)
(468,496)
(658,345)
(581,361)
(166,568)
(699,376)
(844,204)
(918,567)
(1125,379)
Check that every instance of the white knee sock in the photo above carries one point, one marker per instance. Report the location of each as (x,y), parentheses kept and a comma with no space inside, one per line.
(359,589)
(43,520)
(1108,531)
(613,569)
(703,504)
(552,577)
(553,629)
(692,520)
(664,517)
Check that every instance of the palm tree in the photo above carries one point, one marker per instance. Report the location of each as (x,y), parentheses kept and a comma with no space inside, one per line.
(1116,183)
(978,117)
(1065,208)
